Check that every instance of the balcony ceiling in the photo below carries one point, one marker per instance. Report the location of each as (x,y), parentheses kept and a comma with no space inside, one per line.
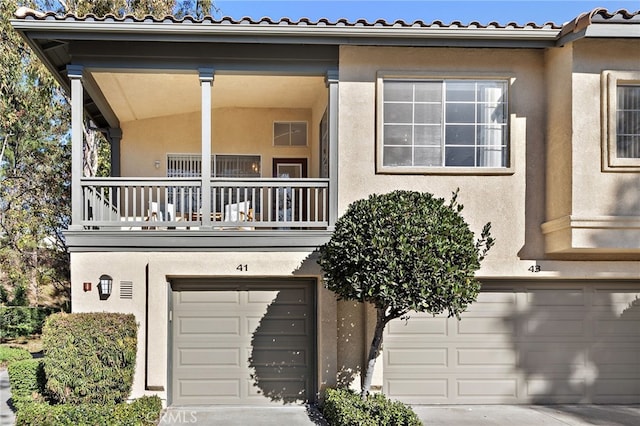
(138,96)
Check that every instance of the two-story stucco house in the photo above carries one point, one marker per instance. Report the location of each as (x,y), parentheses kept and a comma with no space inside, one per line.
(236,144)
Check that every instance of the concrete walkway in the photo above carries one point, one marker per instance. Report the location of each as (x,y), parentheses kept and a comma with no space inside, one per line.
(529,415)
(432,415)
(7,417)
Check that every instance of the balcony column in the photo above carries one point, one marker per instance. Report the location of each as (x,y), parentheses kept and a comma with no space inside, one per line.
(74,72)
(206,83)
(114,135)
(331,81)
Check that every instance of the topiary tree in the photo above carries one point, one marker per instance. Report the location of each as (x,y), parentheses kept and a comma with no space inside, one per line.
(404,251)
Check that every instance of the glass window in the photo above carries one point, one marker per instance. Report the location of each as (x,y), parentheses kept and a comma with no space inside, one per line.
(444,123)
(628,121)
(290,133)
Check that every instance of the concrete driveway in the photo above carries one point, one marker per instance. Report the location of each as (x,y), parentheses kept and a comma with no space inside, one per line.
(432,415)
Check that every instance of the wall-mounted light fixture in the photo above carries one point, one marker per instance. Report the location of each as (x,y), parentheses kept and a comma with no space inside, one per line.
(157,164)
(86,286)
(104,286)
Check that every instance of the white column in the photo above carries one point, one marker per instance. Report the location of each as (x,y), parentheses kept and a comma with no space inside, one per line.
(332,85)
(206,83)
(74,72)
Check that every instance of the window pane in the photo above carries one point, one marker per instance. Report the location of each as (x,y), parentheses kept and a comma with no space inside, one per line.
(491,135)
(397,135)
(428,157)
(492,91)
(461,91)
(460,113)
(398,91)
(459,156)
(393,156)
(398,113)
(491,157)
(428,113)
(460,135)
(429,91)
(628,147)
(427,135)
(628,123)
(237,166)
(299,134)
(492,113)
(281,134)
(628,97)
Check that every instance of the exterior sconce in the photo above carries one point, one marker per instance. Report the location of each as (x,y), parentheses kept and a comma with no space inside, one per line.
(157,164)
(104,286)
(86,287)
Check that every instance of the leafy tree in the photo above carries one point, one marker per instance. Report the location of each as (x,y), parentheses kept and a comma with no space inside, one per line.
(35,152)
(403,251)
(34,171)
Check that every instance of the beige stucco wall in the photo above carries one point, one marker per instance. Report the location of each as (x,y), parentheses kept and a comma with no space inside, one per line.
(132,266)
(589,208)
(234,131)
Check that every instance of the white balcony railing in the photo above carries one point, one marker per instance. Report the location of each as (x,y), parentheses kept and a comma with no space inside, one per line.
(176,203)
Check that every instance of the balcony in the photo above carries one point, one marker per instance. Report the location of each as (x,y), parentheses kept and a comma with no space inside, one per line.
(158,204)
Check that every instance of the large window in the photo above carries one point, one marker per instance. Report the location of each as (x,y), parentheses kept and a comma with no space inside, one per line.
(457,123)
(621,121)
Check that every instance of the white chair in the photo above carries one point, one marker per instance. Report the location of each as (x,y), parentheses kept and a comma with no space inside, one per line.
(238,212)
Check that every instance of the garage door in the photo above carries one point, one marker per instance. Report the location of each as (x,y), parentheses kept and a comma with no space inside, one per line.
(525,343)
(242,343)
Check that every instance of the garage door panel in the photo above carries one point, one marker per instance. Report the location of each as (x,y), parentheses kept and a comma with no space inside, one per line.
(418,324)
(192,298)
(252,345)
(485,357)
(570,343)
(200,325)
(198,357)
(556,297)
(413,357)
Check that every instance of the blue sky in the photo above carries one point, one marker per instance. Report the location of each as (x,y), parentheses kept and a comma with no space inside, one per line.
(505,11)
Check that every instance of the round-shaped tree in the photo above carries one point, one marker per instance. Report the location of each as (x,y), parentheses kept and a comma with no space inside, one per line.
(404,251)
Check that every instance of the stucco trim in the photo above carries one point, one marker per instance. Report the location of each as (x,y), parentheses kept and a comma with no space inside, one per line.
(188,241)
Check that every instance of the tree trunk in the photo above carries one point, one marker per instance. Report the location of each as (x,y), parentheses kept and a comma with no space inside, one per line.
(374,350)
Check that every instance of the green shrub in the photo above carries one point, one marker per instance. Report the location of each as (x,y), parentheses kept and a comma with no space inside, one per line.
(344,407)
(16,321)
(27,381)
(142,411)
(89,357)
(9,355)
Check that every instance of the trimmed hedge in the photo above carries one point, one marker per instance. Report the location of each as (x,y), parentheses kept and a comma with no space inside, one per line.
(27,381)
(89,357)
(343,407)
(9,355)
(142,411)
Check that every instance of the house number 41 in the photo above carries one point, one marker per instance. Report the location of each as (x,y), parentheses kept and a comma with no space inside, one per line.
(242,267)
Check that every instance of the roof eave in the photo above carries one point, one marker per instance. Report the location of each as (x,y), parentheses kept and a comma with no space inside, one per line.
(280,33)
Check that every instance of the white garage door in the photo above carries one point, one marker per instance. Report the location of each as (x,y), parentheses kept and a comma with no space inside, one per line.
(242,343)
(525,343)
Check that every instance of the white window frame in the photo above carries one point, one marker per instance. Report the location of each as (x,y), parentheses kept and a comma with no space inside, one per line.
(609,95)
(290,122)
(419,76)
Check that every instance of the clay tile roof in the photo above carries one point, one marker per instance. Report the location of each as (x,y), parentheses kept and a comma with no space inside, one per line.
(26,13)
(600,15)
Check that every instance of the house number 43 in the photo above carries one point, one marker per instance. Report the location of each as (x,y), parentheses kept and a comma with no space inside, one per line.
(242,267)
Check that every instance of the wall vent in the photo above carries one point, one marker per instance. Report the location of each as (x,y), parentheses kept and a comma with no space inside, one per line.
(126,289)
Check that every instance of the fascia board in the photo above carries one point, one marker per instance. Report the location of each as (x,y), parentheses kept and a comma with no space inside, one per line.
(342,35)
